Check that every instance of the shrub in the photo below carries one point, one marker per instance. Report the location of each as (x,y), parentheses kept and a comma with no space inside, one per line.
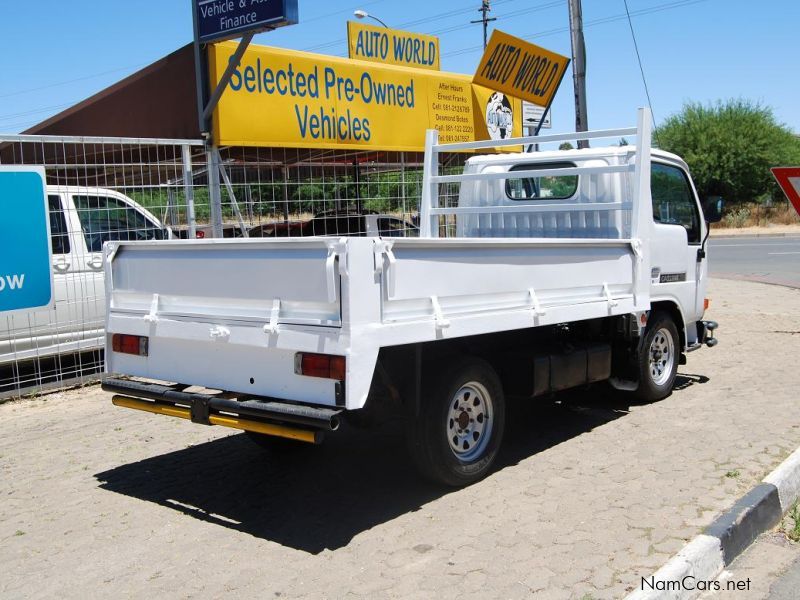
(730,147)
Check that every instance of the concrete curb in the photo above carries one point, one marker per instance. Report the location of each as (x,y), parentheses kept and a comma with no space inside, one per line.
(704,557)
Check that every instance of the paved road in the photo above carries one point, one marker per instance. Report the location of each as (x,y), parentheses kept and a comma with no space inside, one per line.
(766,259)
(591,495)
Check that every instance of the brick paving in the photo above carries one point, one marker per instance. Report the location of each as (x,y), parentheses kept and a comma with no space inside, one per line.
(591,493)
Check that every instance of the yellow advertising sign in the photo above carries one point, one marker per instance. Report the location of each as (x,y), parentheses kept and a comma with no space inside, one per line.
(392,46)
(521,69)
(286,98)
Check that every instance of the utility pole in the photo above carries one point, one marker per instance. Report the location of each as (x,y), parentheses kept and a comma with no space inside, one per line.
(485,9)
(578,68)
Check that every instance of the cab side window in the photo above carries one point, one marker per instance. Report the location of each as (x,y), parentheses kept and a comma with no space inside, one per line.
(673,200)
(106,219)
(558,187)
(59,234)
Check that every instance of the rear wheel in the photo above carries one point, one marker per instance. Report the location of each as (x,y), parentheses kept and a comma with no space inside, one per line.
(658,360)
(456,436)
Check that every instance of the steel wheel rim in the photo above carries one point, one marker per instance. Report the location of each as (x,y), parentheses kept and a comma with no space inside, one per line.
(661,356)
(469,421)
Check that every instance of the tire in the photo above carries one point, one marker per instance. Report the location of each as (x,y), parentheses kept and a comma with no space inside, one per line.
(658,360)
(457,435)
(275,444)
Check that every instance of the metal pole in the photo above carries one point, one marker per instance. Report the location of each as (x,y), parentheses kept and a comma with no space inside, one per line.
(357,180)
(379,21)
(485,9)
(231,195)
(214,192)
(188,190)
(226,76)
(286,194)
(578,68)
(200,75)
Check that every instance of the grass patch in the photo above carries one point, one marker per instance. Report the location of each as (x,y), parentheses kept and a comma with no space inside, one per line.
(754,214)
(733,474)
(791,526)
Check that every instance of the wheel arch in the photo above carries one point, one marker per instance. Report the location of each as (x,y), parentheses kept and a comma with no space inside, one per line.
(673,309)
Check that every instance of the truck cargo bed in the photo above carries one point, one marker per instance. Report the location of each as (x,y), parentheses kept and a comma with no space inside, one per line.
(232,314)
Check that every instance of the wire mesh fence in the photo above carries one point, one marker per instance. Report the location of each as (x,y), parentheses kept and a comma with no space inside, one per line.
(108,189)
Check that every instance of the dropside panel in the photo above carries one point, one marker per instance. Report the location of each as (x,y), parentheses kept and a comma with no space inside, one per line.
(471,277)
(229,280)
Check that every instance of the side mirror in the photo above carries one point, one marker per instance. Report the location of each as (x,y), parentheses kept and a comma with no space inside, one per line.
(712,209)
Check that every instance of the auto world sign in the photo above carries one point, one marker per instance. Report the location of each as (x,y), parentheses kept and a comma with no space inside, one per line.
(218,20)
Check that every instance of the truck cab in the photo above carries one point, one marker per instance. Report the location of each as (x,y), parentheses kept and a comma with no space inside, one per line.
(676,233)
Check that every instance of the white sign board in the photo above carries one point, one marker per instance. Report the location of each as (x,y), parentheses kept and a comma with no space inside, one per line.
(532,114)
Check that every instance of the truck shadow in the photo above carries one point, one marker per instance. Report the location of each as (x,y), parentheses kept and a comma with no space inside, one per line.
(319,498)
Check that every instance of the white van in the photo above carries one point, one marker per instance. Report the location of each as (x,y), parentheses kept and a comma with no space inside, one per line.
(81,220)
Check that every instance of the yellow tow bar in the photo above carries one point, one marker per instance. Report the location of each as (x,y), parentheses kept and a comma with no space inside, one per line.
(292,433)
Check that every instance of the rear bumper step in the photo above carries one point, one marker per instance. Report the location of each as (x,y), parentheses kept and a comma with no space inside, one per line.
(269,416)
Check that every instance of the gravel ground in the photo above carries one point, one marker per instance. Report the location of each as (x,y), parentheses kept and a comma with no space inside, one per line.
(591,494)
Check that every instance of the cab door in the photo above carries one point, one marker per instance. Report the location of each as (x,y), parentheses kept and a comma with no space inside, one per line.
(678,268)
(104,216)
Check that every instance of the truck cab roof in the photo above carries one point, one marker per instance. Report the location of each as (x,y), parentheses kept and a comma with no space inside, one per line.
(513,158)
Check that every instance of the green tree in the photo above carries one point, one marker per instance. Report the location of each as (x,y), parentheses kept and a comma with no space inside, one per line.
(729,147)
(566,146)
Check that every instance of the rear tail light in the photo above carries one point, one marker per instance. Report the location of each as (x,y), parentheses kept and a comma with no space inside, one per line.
(706,303)
(326,366)
(129,344)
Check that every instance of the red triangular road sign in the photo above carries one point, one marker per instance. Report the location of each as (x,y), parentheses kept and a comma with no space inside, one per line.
(789,180)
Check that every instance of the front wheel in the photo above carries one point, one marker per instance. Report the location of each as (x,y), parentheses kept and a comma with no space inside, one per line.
(456,436)
(658,359)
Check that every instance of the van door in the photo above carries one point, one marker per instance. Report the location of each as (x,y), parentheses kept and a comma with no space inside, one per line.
(677,272)
(49,332)
(105,218)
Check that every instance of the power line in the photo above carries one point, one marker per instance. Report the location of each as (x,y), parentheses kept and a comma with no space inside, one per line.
(36,111)
(600,21)
(641,70)
(485,19)
(509,15)
(68,81)
(428,19)
(338,12)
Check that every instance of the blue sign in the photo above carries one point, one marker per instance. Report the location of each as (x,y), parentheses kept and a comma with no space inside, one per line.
(218,20)
(26,277)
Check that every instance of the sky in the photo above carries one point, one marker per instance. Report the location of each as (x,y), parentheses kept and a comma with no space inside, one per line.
(57,53)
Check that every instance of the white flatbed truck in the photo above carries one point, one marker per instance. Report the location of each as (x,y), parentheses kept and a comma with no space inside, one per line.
(564,270)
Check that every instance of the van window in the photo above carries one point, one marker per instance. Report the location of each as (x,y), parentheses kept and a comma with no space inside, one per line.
(673,200)
(59,235)
(105,219)
(559,187)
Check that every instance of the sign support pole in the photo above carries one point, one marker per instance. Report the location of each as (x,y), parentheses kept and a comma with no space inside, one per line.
(535,147)
(204,112)
(226,76)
